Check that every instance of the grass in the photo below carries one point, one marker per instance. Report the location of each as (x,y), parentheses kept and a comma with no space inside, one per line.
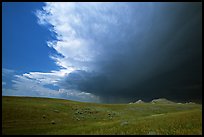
(27,116)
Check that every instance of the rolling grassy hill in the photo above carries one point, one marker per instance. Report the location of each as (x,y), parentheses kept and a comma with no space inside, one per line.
(28,115)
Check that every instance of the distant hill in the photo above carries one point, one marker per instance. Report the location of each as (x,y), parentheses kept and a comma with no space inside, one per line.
(161,101)
(139,101)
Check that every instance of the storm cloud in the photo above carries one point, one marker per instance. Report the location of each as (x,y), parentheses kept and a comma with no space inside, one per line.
(123,52)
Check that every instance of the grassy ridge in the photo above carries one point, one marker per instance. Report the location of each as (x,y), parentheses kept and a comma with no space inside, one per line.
(25,115)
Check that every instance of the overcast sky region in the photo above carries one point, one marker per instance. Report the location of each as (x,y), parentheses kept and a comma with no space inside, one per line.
(102,52)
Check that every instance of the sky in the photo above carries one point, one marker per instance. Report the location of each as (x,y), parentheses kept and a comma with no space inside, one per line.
(102,52)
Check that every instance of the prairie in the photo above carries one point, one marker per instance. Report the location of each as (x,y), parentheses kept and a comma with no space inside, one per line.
(45,116)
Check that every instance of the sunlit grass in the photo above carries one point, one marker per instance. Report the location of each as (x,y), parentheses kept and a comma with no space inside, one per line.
(35,115)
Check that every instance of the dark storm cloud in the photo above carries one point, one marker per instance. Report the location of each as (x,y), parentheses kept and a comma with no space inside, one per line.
(154,50)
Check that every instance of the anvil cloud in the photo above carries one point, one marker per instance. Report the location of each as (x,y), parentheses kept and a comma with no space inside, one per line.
(128,50)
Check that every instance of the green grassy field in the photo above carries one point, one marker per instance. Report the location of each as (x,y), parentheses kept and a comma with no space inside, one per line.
(26,115)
